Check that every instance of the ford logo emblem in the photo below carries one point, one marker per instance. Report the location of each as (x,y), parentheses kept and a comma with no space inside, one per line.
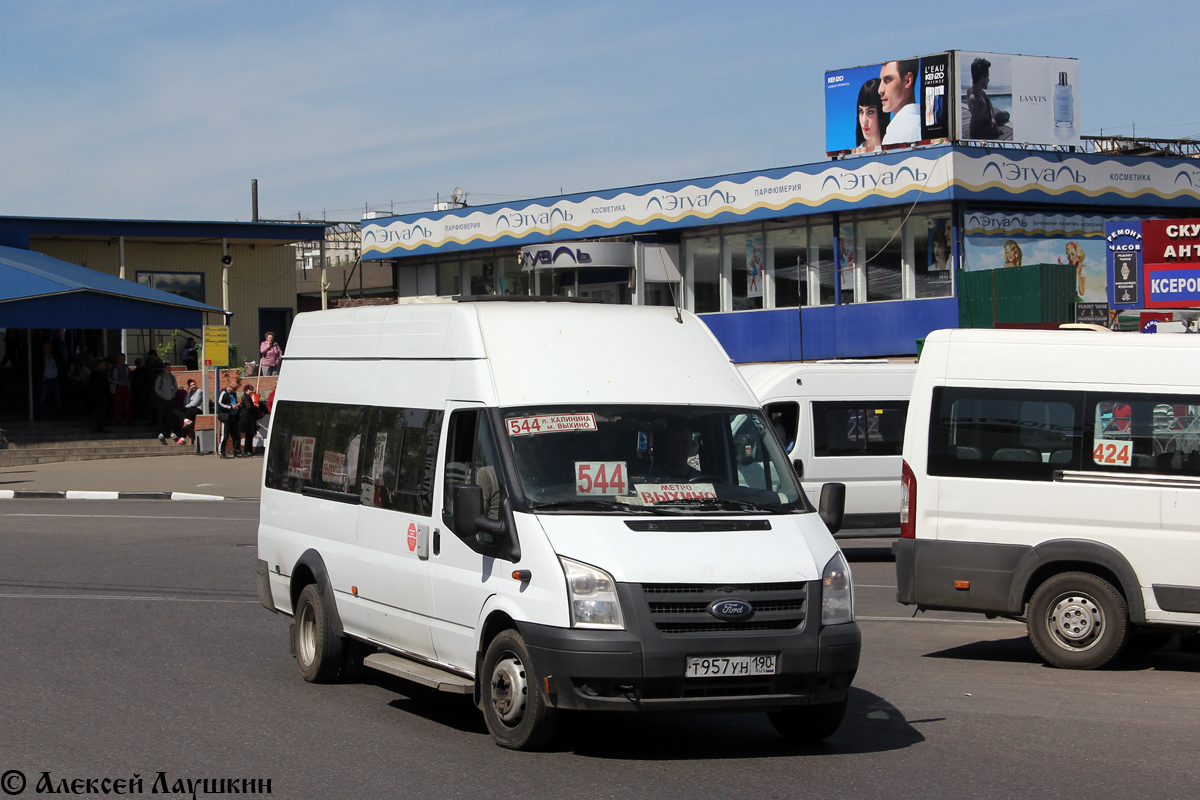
(730,609)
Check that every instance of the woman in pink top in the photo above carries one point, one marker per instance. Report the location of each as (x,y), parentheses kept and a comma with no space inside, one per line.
(271,355)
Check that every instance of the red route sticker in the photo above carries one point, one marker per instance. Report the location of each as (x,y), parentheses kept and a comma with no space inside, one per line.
(412,536)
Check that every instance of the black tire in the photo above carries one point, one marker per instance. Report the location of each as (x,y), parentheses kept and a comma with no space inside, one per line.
(809,723)
(513,705)
(1078,621)
(1147,640)
(318,647)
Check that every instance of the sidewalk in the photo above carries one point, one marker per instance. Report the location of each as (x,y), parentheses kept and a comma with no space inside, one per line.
(208,474)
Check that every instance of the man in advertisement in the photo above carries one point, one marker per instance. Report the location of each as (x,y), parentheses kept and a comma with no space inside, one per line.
(897,88)
(986,121)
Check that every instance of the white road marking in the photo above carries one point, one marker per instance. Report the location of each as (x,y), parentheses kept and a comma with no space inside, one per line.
(28,596)
(936,619)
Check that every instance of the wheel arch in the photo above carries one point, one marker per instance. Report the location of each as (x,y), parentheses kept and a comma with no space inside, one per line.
(492,622)
(1077,555)
(310,569)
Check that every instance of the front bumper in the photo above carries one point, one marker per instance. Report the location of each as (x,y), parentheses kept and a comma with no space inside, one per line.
(642,668)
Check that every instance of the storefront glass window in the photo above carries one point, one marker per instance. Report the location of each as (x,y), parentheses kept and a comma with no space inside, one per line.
(510,279)
(703,259)
(480,275)
(820,260)
(884,247)
(932,256)
(745,255)
(661,294)
(788,255)
(848,261)
(449,282)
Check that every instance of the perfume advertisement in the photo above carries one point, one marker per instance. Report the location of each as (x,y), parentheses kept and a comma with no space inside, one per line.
(1023,99)
(891,104)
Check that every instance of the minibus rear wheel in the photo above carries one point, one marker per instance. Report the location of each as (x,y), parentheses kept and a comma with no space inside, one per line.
(1078,621)
(809,723)
(318,647)
(516,712)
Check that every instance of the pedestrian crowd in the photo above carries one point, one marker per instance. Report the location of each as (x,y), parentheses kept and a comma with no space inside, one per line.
(114,392)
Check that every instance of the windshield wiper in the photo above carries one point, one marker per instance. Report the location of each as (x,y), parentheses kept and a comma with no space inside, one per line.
(590,505)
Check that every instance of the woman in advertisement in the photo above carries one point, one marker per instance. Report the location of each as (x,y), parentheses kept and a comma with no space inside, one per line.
(1075,258)
(872,119)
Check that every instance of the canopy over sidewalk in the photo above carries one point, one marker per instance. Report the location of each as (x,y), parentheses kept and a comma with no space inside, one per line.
(37,291)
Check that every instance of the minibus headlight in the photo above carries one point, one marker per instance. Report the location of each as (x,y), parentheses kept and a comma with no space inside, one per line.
(837,594)
(593,596)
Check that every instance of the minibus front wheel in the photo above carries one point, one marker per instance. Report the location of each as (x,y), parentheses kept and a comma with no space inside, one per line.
(514,708)
(1078,620)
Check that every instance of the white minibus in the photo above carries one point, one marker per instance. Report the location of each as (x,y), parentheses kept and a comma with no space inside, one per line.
(548,506)
(842,422)
(1054,477)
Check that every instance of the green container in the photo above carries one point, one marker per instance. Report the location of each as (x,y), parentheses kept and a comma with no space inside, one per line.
(1038,293)
(920,347)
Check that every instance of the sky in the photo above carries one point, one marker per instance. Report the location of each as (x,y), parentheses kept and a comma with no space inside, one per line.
(140,109)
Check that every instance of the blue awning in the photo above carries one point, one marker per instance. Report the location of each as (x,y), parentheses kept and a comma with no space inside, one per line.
(37,291)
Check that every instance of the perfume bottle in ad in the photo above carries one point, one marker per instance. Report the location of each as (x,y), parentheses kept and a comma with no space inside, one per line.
(1064,109)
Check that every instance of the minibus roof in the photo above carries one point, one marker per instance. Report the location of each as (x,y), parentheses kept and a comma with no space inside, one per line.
(874,378)
(540,352)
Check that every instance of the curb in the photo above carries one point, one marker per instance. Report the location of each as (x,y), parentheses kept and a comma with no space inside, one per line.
(34,494)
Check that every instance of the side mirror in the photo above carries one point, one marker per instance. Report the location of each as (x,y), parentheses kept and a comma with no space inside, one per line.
(491,537)
(833,506)
(798,465)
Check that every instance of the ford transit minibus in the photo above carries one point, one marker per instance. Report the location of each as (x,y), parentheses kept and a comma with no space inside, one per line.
(549,506)
(1054,477)
(842,422)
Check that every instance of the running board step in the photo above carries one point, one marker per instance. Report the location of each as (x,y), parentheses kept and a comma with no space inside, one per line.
(423,674)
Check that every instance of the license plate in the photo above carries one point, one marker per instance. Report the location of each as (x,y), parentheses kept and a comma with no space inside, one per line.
(723,666)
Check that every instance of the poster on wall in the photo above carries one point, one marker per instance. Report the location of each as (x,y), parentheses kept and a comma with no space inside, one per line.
(755,264)
(1123,246)
(1028,99)
(847,248)
(995,240)
(938,238)
(893,103)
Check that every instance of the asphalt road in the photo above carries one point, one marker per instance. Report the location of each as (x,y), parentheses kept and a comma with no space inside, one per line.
(133,642)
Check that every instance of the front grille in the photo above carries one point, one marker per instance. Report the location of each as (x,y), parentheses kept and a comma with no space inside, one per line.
(683,608)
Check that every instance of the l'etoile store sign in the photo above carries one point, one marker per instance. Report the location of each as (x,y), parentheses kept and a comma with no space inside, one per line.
(1154,263)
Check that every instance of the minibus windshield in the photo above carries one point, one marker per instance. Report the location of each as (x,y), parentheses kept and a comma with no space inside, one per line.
(649,459)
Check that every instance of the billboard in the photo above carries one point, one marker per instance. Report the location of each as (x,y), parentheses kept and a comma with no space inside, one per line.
(1026,99)
(1154,263)
(957,95)
(994,240)
(893,103)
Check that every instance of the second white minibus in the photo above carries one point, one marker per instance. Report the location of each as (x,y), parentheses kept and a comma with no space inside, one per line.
(1054,477)
(842,422)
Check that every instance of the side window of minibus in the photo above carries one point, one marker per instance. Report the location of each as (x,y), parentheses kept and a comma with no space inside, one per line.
(336,456)
(785,419)
(1157,434)
(399,460)
(279,446)
(471,459)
